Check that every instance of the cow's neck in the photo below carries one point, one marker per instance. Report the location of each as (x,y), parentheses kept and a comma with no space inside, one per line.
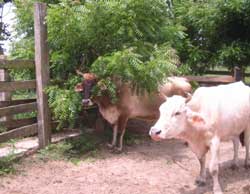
(197,139)
(102,101)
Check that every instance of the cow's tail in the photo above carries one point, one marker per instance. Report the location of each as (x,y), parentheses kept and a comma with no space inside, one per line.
(242,137)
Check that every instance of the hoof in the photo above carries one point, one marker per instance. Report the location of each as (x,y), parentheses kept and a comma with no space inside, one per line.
(200,183)
(117,150)
(110,146)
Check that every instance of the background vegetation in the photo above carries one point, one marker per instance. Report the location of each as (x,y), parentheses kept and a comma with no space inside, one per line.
(138,41)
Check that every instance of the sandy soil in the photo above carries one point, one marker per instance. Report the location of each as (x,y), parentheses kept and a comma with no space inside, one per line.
(167,167)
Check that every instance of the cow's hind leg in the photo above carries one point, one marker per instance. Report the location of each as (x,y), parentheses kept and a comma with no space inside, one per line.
(236,143)
(247,142)
(214,165)
(201,180)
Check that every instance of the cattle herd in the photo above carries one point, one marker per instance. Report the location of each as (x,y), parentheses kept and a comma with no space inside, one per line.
(204,119)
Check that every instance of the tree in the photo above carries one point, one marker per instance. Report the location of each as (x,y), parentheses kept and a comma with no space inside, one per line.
(218,33)
(134,38)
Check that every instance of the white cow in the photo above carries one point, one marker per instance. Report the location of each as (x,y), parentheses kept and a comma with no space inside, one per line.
(212,115)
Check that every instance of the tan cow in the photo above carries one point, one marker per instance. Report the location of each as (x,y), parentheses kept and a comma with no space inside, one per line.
(129,104)
(213,115)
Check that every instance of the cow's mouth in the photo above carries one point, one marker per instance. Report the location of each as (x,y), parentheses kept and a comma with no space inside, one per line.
(156,137)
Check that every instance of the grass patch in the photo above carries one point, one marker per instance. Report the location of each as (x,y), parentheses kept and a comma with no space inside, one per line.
(72,150)
(131,139)
(7,164)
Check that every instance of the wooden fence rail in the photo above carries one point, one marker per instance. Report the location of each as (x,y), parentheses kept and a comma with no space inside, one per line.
(15,102)
(211,80)
(10,110)
(17,85)
(19,132)
(218,77)
(16,64)
(18,123)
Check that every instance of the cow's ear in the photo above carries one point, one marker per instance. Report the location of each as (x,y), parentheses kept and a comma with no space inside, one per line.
(195,119)
(162,95)
(198,119)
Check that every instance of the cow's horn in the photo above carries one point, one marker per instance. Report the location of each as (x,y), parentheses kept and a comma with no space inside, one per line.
(189,97)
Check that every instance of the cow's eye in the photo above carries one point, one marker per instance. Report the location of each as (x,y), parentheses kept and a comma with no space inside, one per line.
(177,113)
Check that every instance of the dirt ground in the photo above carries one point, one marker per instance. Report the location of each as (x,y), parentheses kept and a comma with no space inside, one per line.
(167,167)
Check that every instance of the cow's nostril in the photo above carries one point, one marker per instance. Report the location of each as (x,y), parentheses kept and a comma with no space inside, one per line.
(158,132)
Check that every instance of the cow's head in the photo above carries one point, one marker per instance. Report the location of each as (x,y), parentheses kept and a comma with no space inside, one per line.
(175,118)
(85,87)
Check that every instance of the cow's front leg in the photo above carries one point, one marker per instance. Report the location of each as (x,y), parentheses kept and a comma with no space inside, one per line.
(114,139)
(214,165)
(201,180)
(236,143)
(122,127)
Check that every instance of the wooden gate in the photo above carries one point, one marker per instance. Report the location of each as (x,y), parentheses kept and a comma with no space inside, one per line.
(41,125)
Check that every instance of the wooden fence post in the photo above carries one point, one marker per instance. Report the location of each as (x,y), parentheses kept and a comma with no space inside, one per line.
(238,73)
(4,76)
(42,74)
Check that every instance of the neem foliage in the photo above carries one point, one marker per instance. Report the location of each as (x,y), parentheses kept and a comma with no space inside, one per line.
(65,102)
(80,33)
(145,73)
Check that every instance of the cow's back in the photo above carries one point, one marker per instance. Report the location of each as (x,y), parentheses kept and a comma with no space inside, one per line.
(225,107)
(147,105)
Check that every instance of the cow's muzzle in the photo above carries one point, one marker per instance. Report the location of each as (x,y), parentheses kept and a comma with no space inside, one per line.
(87,102)
(154,133)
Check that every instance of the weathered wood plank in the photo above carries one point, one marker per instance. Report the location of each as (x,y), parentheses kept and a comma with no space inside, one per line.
(16,64)
(42,74)
(15,102)
(19,132)
(18,123)
(18,109)
(17,85)
(211,79)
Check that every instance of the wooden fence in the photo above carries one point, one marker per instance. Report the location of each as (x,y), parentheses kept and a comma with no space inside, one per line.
(41,124)
(212,78)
